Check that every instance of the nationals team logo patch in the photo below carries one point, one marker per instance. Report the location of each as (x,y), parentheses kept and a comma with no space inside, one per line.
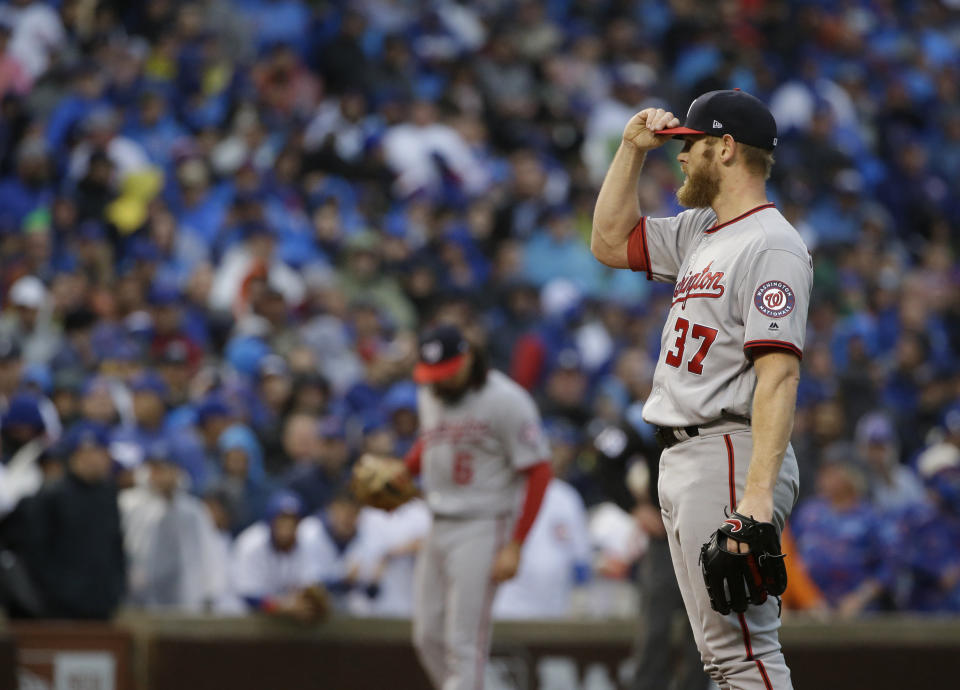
(774,299)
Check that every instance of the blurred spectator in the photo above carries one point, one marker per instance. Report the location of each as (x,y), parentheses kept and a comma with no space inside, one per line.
(23,440)
(241,476)
(849,549)
(893,486)
(248,267)
(401,534)
(130,441)
(565,391)
(802,594)
(930,536)
(361,279)
(346,550)
(320,456)
(37,34)
(30,320)
(170,540)
(274,562)
(556,560)
(75,550)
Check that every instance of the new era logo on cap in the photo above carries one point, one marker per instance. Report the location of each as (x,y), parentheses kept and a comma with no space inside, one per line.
(432,352)
(717,125)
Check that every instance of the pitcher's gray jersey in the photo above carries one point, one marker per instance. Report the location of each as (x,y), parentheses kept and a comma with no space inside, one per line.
(472,450)
(739,285)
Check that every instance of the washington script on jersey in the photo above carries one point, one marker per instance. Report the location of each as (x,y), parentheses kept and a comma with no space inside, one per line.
(469,429)
(705,283)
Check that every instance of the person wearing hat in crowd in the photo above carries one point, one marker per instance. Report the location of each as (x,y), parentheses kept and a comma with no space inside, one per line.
(320,456)
(29,320)
(253,261)
(170,540)
(482,453)
(399,406)
(893,486)
(849,548)
(77,349)
(75,546)
(273,387)
(176,363)
(130,441)
(195,442)
(274,564)
(929,533)
(11,369)
(23,440)
(565,391)
(241,475)
(32,187)
(65,392)
(347,546)
(361,279)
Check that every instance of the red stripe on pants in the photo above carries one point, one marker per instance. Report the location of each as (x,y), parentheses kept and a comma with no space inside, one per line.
(485,622)
(731,472)
(731,480)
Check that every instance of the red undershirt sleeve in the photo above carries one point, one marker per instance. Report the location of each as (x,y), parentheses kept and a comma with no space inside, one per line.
(412,459)
(638,257)
(538,478)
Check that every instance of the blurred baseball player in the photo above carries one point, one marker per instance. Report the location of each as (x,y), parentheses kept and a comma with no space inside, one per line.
(483,458)
(725,383)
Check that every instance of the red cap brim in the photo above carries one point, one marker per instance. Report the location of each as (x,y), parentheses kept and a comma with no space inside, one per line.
(680,130)
(431,373)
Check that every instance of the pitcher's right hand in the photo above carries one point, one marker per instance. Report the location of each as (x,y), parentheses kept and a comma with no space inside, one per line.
(641,130)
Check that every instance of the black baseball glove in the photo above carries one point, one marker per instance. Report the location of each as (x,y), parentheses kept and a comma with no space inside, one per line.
(735,580)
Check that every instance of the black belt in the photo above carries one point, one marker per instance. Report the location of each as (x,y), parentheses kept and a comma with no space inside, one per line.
(668,436)
(672,435)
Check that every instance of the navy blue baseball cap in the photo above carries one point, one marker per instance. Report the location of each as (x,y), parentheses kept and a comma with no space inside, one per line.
(148,382)
(442,350)
(212,407)
(163,295)
(734,112)
(83,434)
(24,410)
(284,503)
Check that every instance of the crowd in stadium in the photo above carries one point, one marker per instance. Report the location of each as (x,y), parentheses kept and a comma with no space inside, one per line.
(222,224)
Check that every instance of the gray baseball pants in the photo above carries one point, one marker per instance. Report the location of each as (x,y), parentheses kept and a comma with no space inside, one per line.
(699,479)
(453,599)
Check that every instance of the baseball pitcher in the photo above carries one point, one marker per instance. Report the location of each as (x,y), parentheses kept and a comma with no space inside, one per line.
(725,383)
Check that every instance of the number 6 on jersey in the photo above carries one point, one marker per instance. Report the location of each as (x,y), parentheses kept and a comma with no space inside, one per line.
(462,467)
(699,332)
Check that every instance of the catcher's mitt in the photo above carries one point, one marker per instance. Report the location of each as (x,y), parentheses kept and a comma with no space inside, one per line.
(735,580)
(381,482)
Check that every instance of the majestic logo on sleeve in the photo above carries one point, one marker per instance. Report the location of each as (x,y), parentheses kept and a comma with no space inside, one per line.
(705,283)
(774,299)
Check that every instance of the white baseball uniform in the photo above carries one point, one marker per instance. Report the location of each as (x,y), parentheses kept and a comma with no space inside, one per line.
(260,571)
(398,531)
(472,453)
(740,285)
(557,545)
(336,565)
